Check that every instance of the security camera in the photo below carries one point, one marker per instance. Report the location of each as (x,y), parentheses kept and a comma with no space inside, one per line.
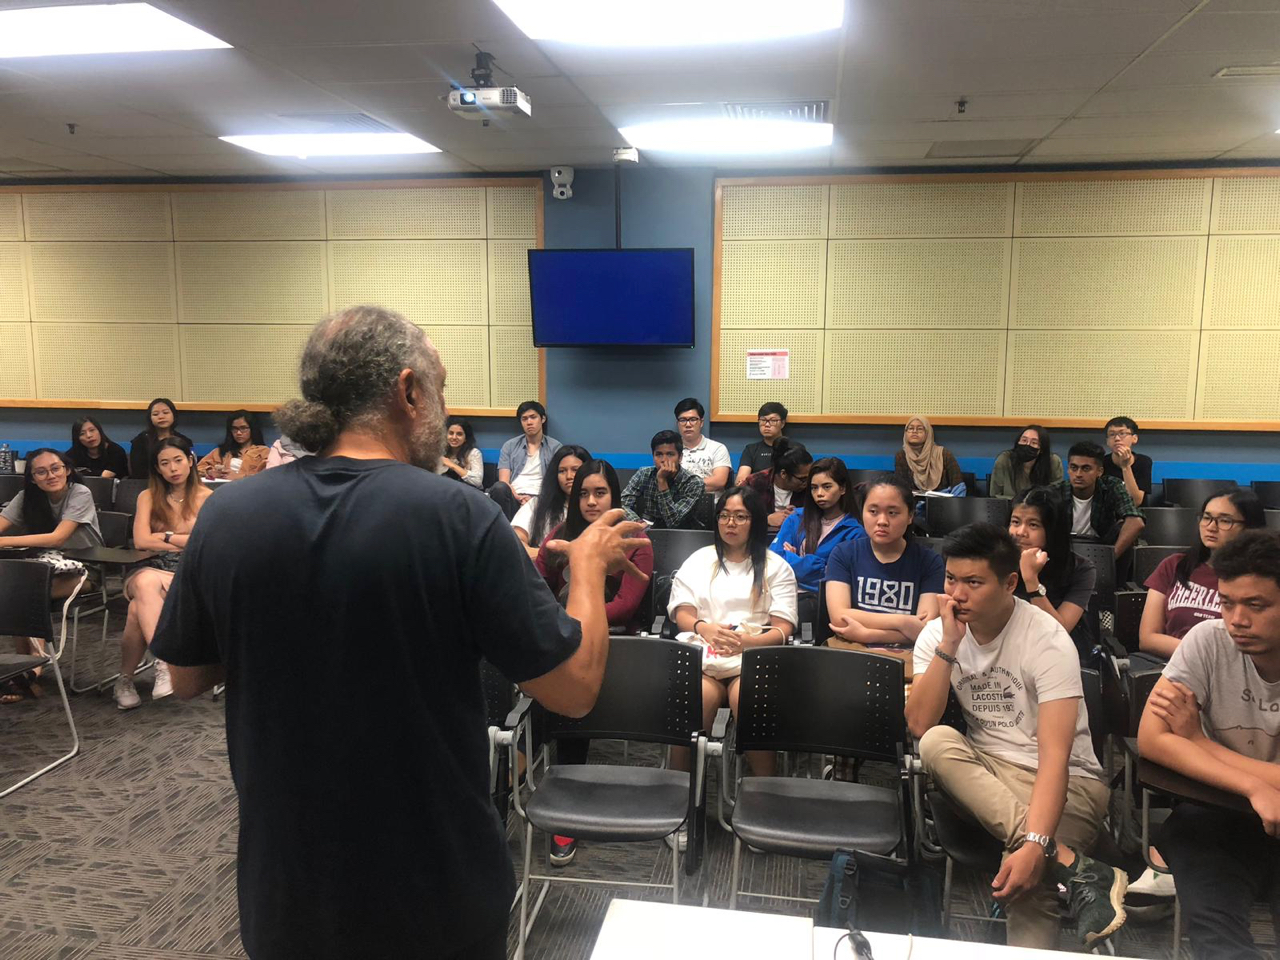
(562,180)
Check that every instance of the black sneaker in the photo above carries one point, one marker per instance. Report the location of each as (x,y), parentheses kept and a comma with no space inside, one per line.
(562,851)
(1095,891)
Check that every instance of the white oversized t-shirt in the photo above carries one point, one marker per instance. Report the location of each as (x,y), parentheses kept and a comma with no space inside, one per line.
(705,457)
(724,595)
(529,480)
(1001,685)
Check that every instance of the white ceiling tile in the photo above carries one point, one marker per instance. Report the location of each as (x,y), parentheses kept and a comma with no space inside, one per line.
(1262,148)
(1260,98)
(877,103)
(1186,69)
(973,78)
(1205,144)
(243,163)
(962,9)
(353,62)
(860,152)
(931,130)
(1227,32)
(1230,126)
(389,166)
(133,149)
(1191,158)
(708,86)
(815,52)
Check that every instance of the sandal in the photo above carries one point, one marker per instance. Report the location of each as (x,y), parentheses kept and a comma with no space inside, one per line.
(10,692)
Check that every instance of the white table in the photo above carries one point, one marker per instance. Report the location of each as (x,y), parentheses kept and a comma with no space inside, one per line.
(893,946)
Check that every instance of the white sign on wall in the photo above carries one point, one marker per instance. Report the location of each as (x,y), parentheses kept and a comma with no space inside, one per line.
(768,364)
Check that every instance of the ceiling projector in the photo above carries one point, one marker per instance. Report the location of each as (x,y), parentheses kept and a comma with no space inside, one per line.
(482,103)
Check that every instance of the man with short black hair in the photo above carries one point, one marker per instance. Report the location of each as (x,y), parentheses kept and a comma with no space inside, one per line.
(1101,506)
(523,460)
(1026,770)
(1134,469)
(784,487)
(706,459)
(759,455)
(1214,716)
(664,494)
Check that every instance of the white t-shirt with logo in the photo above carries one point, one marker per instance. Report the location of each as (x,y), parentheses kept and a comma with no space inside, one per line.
(1082,517)
(706,457)
(529,480)
(1000,686)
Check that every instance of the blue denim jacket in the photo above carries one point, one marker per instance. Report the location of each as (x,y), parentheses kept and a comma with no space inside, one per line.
(515,452)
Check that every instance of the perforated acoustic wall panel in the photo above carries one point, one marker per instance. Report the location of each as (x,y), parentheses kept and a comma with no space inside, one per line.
(430,281)
(1230,358)
(257,282)
(1113,207)
(917,283)
(103,282)
(509,281)
(775,212)
(1246,205)
(773,283)
(513,212)
(249,215)
(427,212)
(17,373)
(13,283)
(801,393)
(465,352)
(921,210)
(11,217)
(513,366)
(232,363)
(97,216)
(107,361)
(1243,285)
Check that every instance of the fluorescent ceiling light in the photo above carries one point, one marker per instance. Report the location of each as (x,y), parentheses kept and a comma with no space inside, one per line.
(671,23)
(727,137)
(97,28)
(303,145)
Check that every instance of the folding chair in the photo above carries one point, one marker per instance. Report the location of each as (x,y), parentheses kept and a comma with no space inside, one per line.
(1268,492)
(24,612)
(103,490)
(1171,526)
(1191,492)
(10,486)
(127,492)
(944,514)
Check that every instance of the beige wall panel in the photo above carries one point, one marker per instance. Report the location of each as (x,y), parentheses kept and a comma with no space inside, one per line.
(933,372)
(1102,283)
(249,215)
(1149,374)
(513,212)
(259,282)
(429,281)
(13,283)
(465,352)
(774,212)
(1243,283)
(103,282)
(1112,207)
(513,366)
(225,363)
(17,373)
(426,213)
(107,361)
(773,283)
(11,216)
(1238,375)
(1246,205)
(917,283)
(509,281)
(801,393)
(97,216)
(921,210)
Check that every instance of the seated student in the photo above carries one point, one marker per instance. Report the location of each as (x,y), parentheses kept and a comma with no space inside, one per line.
(1123,464)
(166,513)
(706,459)
(759,455)
(523,460)
(462,460)
(1214,716)
(664,494)
(1026,770)
(1183,590)
(881,589)
(162,422)
(728,597)
(93,454)
(783,487)
(1101,507)
(1031,463)
(540,514)
(242,452)
(285,451)
(52,511)
(921,463)
(1050,576)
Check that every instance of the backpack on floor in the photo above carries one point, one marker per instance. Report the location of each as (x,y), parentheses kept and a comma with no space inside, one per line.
(864,891)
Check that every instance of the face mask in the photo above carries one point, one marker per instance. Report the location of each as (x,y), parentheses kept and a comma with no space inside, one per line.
(1025,452)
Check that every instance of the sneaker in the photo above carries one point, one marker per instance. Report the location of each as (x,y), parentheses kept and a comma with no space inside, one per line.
(1153,884)
(126,694)
(1095,891)
(679,839)
(164,683)
(562,850)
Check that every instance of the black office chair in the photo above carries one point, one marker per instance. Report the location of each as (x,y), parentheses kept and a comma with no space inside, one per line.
(1130,601)
(1268,492)
(944,514)
(116,528)
(127,492)
(932,543)
(970,483)
(624,476)
(1171,526)
(490,475)
(103,490)
(1191,492)
(1147,557)
(671,548)
(10,486)
(499,698)
(786,701)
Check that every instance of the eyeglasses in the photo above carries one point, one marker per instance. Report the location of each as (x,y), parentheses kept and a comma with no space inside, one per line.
(688,420)
(1222,523)
(737,519)
(43,472)
(770,421)
(1119,434)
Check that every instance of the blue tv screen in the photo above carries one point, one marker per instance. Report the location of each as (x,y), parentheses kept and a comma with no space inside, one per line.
(612,298)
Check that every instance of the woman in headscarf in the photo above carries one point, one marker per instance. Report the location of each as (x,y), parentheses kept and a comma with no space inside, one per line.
(923,464)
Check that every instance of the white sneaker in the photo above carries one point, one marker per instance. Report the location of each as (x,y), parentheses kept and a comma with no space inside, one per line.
(1153,884)
(680,838)
(164,683)
(126,694)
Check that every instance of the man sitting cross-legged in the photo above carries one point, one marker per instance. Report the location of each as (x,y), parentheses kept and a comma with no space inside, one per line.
(1214,716)
(1026,771)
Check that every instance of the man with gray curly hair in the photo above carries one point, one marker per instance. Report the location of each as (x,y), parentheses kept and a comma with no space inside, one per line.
(347,599)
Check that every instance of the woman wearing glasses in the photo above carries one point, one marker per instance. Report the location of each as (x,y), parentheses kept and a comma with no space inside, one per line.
(759,455)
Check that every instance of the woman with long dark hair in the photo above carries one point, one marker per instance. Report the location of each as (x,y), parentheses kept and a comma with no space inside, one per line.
(242,452)
(1050,576)
(93,453)
(808,537)
(536,517)
(166,514)
(1031,462)
(162,423)
(461,460)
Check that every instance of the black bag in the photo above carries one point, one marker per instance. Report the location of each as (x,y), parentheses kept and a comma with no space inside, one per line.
(891,898)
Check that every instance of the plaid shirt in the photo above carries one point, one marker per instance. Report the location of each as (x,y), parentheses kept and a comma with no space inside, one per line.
(666,508)
(1111,503)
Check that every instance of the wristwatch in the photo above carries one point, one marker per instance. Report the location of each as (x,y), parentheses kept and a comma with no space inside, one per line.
(168,535)
(1041,591)
(1049,844)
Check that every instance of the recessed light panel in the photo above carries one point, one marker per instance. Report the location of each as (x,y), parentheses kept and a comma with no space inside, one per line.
(97,28)
(303,145)
(712,137)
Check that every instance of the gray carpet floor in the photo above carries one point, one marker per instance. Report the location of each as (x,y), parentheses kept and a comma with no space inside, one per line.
(128,851)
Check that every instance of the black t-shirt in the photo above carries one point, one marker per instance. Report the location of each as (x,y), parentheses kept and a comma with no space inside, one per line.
(1141,471)
(140,455)
(758,456)
(350,602)
(113,459)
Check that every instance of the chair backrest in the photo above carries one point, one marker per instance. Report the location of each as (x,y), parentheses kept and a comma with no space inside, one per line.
(624,475)
(1103,558)
(970,483)
(10,486)
(652,691)
(490,475)
(24,599)
(820,700)
(1091,680)
(499,693)
(1171,526)
(1273,519)
(1268,492)
(931,543)
(127,492)
(944,514)
(115,527)
(1139,685)
(1114,696)
(1192,491)
(1146,559)
(671,548)
(866,476)
(103,490)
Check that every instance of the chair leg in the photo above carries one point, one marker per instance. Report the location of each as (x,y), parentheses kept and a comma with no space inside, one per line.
(946,897)
(52,664)
(1177,928)
(524,888)
(675,869)
(737,873)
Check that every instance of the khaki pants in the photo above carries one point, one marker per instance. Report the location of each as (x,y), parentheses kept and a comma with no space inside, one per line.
(996,793)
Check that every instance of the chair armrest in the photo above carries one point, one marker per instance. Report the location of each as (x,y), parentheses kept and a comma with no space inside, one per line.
(659,623)
(720,727)
(1163,780)
(806,635)
(518,712)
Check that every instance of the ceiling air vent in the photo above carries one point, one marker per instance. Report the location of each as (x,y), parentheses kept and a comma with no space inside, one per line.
(949,149)
(808,111)
(337,122)
(1247,71)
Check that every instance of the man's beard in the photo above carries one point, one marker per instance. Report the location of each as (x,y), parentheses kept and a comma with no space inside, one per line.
(426,443)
